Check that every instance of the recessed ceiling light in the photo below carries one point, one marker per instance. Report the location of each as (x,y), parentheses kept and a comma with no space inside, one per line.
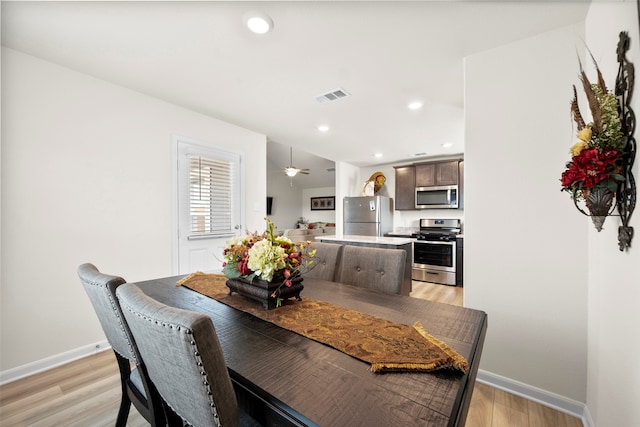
(323,128)
(377,155)
(415,105)
(447,145)
(258,22)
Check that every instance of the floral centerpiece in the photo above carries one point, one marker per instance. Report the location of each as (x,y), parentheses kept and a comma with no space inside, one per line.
(593,174)
(269,258)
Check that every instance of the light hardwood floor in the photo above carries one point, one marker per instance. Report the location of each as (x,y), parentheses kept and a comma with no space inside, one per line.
(439,293)
(87,392)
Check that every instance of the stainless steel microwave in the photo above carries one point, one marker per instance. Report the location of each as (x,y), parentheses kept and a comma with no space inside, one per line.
(437,197)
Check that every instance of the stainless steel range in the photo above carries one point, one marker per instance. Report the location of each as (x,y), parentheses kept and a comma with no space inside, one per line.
(435,252)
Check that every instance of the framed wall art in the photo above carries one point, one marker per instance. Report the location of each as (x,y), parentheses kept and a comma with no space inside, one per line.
(323,203)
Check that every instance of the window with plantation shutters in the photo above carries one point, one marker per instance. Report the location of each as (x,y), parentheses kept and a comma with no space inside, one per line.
(208,190)
(211,196)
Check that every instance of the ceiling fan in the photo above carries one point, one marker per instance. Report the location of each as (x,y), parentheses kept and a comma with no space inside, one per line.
(291,170)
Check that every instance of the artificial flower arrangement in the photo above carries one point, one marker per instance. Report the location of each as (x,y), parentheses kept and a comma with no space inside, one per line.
(596,160)
(268,257)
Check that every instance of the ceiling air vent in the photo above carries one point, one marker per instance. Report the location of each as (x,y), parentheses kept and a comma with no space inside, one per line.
(334,95)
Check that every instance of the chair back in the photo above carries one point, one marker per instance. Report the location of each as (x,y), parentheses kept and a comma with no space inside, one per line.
(325,262)
(101,289)
(373,268)
(183,357)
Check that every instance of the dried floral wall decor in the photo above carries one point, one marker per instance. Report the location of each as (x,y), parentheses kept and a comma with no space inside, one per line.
(599,171)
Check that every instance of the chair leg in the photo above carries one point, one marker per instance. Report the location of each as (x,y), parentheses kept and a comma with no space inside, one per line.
(173,419)
(125,402)
(123,412)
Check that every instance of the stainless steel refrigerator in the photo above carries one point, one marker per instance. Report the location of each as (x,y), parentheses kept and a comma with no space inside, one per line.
(368,216)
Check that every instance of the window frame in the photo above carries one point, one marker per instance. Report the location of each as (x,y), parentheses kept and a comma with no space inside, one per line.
(181,146)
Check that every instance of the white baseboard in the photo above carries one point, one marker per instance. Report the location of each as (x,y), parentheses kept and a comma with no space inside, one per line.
(543,397)
(51,362)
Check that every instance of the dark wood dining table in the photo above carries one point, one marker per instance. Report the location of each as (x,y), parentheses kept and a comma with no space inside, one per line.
(285,379)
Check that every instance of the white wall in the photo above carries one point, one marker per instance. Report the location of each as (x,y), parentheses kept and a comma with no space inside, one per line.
(613,390)
(291,203)
(317,216)
(86,177)
(286,209)
(347,185)
(525,244)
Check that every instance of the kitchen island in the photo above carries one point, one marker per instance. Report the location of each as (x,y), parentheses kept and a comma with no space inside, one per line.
(378,242)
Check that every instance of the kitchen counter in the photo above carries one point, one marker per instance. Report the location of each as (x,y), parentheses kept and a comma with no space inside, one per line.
(403,243)
(392,241)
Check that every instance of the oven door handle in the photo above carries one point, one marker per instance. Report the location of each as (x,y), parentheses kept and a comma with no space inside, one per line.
(435,242)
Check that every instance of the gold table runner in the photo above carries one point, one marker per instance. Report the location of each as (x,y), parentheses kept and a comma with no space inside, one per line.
(385,345)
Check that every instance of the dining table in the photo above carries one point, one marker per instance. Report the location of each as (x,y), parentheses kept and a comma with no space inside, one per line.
(282,378)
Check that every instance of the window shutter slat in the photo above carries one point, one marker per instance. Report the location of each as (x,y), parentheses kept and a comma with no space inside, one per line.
(210,195)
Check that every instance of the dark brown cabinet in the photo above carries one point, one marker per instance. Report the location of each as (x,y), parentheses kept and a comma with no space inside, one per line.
(405,188)
(440,173)
(408,177)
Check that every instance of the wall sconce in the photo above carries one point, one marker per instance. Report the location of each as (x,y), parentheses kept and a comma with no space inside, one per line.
(626,193)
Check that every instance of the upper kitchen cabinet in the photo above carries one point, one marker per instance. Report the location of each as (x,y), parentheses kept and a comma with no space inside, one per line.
(405,197)
(442,176)
(440,173)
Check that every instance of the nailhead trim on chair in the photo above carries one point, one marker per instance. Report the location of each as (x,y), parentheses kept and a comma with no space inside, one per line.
(114,306)
(196,354)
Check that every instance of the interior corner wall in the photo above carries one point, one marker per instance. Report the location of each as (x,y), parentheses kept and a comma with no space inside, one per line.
(347,185)
(613,390)
(286,209)
(87,177)
(525,244)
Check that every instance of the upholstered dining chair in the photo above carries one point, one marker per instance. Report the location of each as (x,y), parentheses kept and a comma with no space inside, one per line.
(135,383)
(185,361)
(373,268)
(325,262)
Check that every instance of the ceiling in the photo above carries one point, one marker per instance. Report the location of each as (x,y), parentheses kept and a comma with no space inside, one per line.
(199,55)
(321,170)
